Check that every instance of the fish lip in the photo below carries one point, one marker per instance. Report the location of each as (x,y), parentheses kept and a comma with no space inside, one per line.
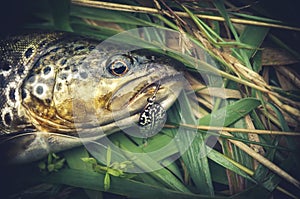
(156,82)
(160,78)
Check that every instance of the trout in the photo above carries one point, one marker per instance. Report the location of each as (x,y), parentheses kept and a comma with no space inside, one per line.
(56,85)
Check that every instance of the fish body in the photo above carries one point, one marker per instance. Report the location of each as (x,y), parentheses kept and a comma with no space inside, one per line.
(54,85)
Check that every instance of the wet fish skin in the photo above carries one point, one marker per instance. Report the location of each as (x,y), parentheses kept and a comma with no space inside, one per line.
(18,55)
(43,76)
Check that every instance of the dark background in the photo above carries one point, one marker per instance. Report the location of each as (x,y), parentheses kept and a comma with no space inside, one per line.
(15,13)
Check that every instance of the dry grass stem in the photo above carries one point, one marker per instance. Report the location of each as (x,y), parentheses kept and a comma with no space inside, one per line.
(290,74)
(254,80)
(254,137)
(270,165)
(205,102)
(236,130)
(221,93)
(130,8)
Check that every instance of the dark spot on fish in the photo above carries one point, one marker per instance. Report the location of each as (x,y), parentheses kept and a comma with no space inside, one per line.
(77,48)
(23,94)
(58,86)
(91,48)
(63,76)
(79,62)
(48,101)
(52,57)
(63,61)
(74,70)
(67,68)
(5,66)
(44,42)
(31,78)
(28,52)
(12,96)
(21,70)
(83,75)
(47,70)
(7,118)
(39,90)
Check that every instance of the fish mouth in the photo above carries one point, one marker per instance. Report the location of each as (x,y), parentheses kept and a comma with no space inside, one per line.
(156,86)
(150,86)
(124,107)
(153,88)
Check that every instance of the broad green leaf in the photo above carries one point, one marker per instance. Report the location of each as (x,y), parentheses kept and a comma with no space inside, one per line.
(239,53)
(121,186)
(232,112)
(74,159)
(147,163)
(197,165)
(254,40)
(224,161)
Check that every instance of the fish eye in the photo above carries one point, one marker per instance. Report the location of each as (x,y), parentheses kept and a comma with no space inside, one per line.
(118,68)
(119,65)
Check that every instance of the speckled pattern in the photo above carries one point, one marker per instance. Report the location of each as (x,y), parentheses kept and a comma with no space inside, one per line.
(16,55)
(46,62)
(152,119)
(54,85)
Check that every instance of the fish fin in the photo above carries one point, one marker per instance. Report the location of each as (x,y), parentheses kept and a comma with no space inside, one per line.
(29,147)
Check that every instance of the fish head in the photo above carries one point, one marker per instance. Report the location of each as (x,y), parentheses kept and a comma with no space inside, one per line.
(99,87)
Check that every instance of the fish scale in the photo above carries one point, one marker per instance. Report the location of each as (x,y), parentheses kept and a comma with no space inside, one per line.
(14,67)
(54,85)
(17,55)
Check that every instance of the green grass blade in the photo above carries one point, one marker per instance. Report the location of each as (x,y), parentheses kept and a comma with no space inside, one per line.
(232,112)
(74,159)
(125,187)
(197,165)
(106,16)
(147,163)
(256,18)
(227,163)
(254,40)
